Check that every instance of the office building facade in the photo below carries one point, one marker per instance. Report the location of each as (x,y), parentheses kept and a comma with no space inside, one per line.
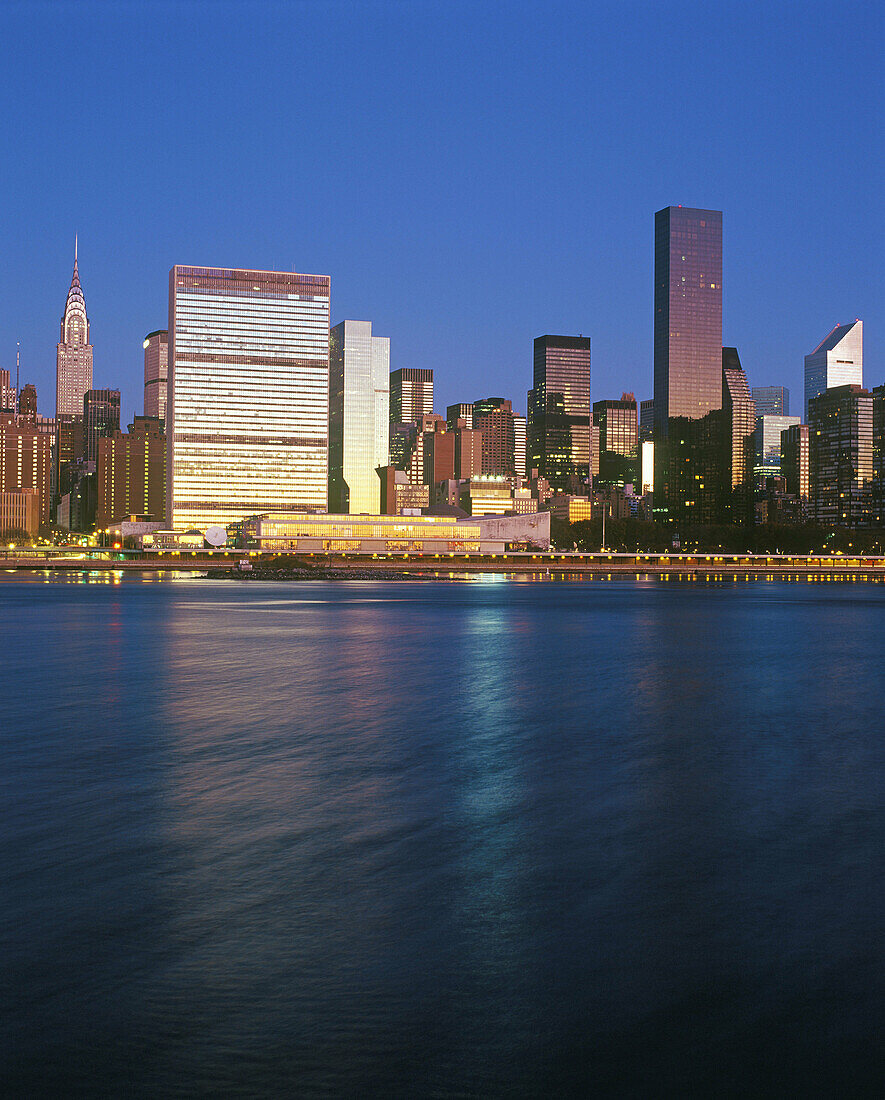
(359,379)
(559,414)
(794,460)
(767,446)
(771,400)
(8,399)
(101,418)
(73,375)
(411,395)
(688,314)
(156,372)
(687,355)
(462,411)
(739,418)
(836,361)
(647,419)
(493,417)
(618,427)
(520,444)
(25,460)
(840,437)
(878,395)
(247,415)
(131,473)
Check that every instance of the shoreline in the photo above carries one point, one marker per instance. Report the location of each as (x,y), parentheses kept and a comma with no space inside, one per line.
(798,570)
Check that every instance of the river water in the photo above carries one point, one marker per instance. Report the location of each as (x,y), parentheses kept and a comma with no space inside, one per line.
(485,838)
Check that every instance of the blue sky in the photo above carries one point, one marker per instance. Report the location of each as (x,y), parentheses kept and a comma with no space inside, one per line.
(471,175)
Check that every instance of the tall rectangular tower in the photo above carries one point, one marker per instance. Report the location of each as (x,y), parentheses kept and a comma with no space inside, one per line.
(359,376)
(836,361)
(688,314)
(101,418)
(247,416)
(840,437)
(559,416)
(411,395)
(156,370)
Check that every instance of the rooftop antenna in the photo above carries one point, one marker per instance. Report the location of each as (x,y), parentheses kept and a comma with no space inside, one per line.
(18,362)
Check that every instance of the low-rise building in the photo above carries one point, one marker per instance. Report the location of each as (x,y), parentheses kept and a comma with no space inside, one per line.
(486,495)
(305,533)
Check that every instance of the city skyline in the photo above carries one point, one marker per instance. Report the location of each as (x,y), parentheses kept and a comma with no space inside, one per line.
(540,189)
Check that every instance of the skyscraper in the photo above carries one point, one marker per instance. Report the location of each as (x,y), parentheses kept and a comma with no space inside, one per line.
(462,411)
(688,314)
(878,395)
(739,416)
(559,416)
(411,395)
(359,377)
(519,444)
(836,361)
(771,400)
(74,353)
(248,394)
(132,473)
(794,459)
(647,419)
(493,416)
(8,402)
(25,459)
(767,446)
(101,418)
(840,437)
(156,370)
(618,439)
(687,352)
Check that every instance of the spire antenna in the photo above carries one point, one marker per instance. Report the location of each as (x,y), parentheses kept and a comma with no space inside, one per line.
(75,248)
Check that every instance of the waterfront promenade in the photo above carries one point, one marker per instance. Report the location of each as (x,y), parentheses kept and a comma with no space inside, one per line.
(835,567)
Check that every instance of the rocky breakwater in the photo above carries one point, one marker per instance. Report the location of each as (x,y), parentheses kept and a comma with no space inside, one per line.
(288,570)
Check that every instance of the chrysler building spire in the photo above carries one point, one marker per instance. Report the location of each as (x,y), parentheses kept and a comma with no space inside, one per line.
(74,354)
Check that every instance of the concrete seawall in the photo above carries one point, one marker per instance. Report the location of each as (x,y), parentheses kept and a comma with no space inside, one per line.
(539,566)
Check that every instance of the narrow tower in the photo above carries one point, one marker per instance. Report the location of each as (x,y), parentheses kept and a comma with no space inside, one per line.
(74,356)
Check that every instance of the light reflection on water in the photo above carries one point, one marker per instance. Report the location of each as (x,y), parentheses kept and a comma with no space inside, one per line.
(409,839)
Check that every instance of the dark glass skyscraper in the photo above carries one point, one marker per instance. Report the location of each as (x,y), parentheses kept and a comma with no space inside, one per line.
(688,313)
(559,415)
(687,352)
(101,418)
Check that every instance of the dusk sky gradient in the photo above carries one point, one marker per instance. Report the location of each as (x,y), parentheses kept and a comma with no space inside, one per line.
(471,175)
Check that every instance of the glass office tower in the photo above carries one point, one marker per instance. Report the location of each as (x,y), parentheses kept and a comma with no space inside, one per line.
(618,439)
(841,465)
(836,361)
(767,446)
(688,313)
(687,353)
(738,419)
(771,400)
(559,414)
(359,379)
(101,418)
(247,410)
